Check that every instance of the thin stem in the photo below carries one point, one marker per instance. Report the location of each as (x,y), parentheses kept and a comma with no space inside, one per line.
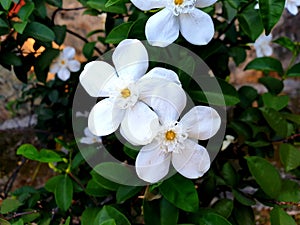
(15,215)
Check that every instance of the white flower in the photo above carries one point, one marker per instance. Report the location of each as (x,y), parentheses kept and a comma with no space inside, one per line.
(262,45)
(130,92)
(163,28)
(228,140)
(65,63)
(292,6)
(89,137)
(176,142)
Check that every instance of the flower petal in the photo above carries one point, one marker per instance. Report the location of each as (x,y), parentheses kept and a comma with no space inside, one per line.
(105,118)
(196,27)
(201,122)
(63,74)
(87,140)
(68,53)
(73,65)
(268,50)
(167,99)
(54,68)
(98,78)
(140,124)
(162,73)
(193,161)
(130,59)
(292,8)
(162,28)
(205,3)
(151,163)
(149,4)
(88,133)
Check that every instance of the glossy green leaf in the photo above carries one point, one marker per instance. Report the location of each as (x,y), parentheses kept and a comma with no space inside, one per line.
(19,26)
(126,192)
(100,5)
(238,54)
(4,222)
(10,58)
(289,156)
(276,121)
(109,212)
(6,4)
(243,199)
(294,71)
(39,32)
(247,95)
(229,174)
(273,85)
(113,2)
(30,217)
(270,12)
(67,221)
(279,217)
(52,182)
(88,216)
(60,33)
(290,191)
(292,117)
(57,3)
(26,11)
(109,222)
(286,42)
(103,182)
(46,156)
(265,64)
(28,151)
(243,215)
(88,49)
(64,192)
(265,174)
(249,17)
(181,192)
(258,143)
(275,102)
(213,219)
(223,207)
(94,189)
(119,33)
(9,205)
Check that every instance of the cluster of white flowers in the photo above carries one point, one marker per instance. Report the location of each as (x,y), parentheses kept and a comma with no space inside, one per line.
(146,107)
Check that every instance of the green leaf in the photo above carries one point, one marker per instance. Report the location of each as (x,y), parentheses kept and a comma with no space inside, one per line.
(103,182)
(279,217)
(292,117)
(60,33)
(100,5)
(126,192)
(213,219)
(276,121)
(47,156)
(113,2)
(4,222)
(247,95)
(294,71)
(119,33)
(67,221)
(6,4)
(20,26)
(64,192)
(265,64)
(109,212)
(160,212)
(52,182)
(28,151)
(223,207)
(181,192)
(249,17)
(243,215)
(270,12)
(229,174)
(109,222)
(258,143)
(273,85)
(88,216)
(9,205)
(286,42)
(26,10)
(290,191)
(289,156)
(229,95)
(265,175)
(238,54)
(39,32)
(10,58)
(243,199)
(275,102)
(57,3)
(88,49)
(94,189)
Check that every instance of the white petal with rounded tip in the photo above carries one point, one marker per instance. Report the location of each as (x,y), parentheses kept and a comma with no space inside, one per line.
(130,59)
(268,50)
(201,122)
(292,8)
(98,78)
(205,3)
(104,118)
(68,52)
(193,161)
(87,132)
(73,65)
(54,68)
(151,163)
(140,124)
(162,28)
(167,99)
(196,27)
(87,140)
(162,73)
(63,74)
(149,4)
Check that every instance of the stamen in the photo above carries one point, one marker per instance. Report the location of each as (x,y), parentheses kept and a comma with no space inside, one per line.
(125,93)
(63,62)
(178,2)
(170,135)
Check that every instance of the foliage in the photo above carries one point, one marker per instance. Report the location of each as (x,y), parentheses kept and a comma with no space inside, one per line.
(264,157)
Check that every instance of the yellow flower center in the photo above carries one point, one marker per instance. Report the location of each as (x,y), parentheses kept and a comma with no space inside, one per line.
(125,93)
(178,2)
(170,135)
(63,62)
